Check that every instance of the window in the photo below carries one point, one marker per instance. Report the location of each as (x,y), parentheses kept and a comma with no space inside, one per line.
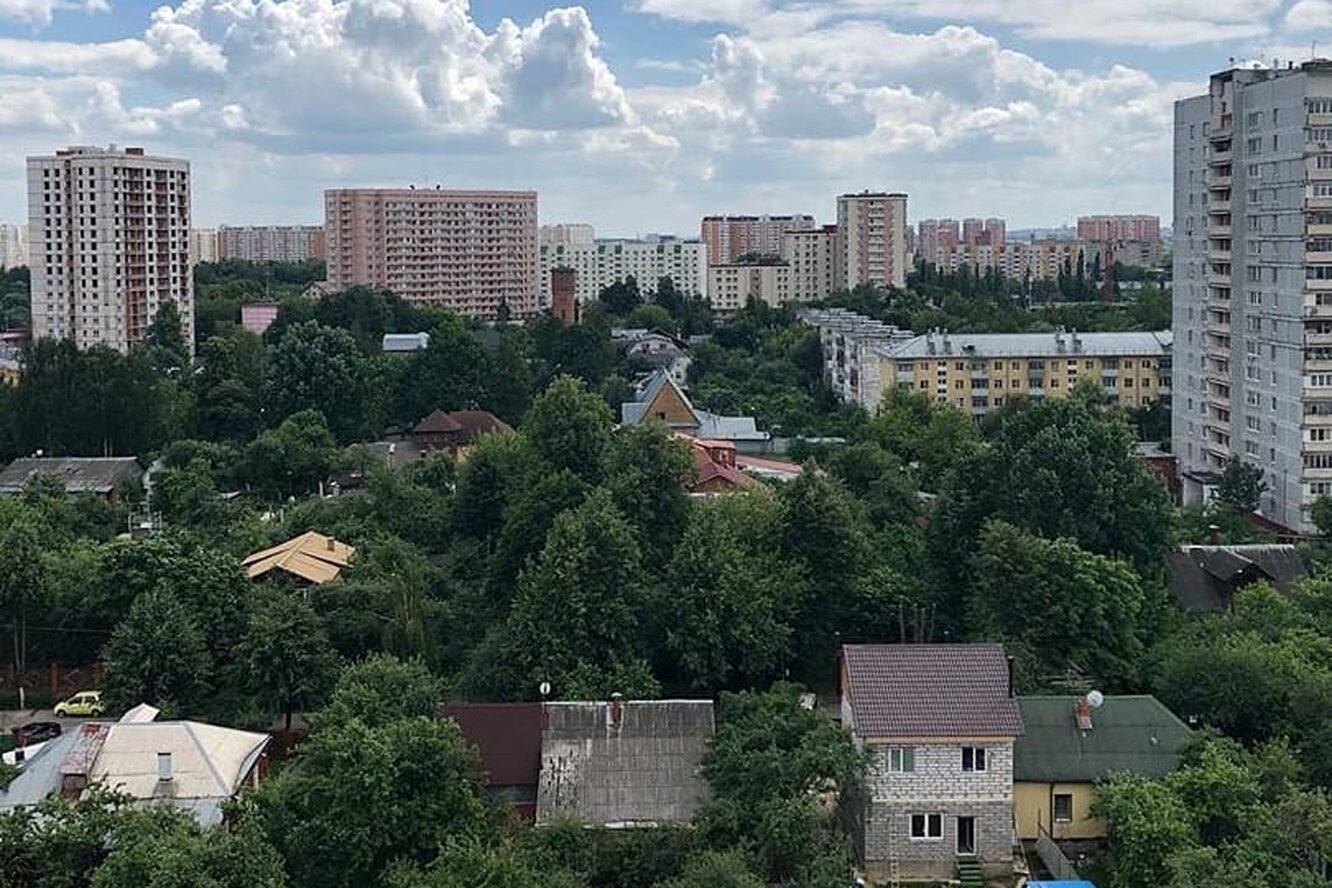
(973,758)
(901,759)
(926,826)
(1063,807)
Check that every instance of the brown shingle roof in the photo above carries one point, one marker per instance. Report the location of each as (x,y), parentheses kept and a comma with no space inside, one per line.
(930,690)
(467,424)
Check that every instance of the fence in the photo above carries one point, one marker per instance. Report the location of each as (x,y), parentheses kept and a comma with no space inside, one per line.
(55,681)
(1053,857)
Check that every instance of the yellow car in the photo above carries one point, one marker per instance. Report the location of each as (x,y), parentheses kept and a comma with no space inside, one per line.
(82,703)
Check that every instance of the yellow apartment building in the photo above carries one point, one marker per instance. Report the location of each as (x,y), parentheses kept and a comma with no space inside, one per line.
(978,372)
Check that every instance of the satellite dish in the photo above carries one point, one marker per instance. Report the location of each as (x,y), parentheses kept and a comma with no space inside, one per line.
(1095,699)
(544,688)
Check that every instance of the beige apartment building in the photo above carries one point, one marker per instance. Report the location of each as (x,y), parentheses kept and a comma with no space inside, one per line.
(271,243)
(728,238)
(470,251)
(109,244)
(731,287)
(603,262)
(871,240)
(812,256)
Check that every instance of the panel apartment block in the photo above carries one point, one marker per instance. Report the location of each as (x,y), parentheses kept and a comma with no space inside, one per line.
(728,238)
(871,233)
(109,244)
(271,243)
(608,261)
(470,251)
(1253,282)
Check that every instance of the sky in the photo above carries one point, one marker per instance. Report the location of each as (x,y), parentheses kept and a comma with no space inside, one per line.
(638,116)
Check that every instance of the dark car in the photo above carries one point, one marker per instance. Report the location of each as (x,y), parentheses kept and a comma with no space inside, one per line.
(36,732)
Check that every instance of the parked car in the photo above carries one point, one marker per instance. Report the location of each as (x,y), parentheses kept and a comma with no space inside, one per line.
(82,703)
(36,732)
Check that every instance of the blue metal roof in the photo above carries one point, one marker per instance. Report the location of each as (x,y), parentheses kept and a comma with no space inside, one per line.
(1060,885)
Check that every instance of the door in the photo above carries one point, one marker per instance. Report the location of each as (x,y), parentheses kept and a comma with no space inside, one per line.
(966,835)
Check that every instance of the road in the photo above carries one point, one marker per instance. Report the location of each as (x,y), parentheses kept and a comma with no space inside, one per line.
(12,718)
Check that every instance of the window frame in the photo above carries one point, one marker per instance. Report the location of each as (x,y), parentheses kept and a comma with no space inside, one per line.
(926,821)
(1067,816)
(901,759)
(979,760)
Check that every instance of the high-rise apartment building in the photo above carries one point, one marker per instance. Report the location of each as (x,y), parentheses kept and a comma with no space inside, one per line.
(608,261)
(471,251)
(728,238)
(1253,283)
(936,234)
(271,243)
(203,245)
(871,239)
(109,243)
(13,246)
(1119,228)
(568,234)
(996,231)
(812,256)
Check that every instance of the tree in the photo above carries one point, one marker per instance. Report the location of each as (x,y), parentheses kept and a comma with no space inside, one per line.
(1321,514)
(768,763)
(1241,486)
(580,603)
(361,797)
(732,596)
(156,655)
(716,870)
(165,340)
(21,581)
(320,368)
(570,428)
(468,863)
(292,459)
(621,297)
(1146,822)
(646,470)
(382,689)
(286,652)
(1057,606)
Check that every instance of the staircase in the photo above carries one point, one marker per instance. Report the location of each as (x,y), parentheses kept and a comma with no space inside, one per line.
(969,872)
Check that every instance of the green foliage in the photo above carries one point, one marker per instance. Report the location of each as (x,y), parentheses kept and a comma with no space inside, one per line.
(157,655)
(716,870)
(621,298)
(1056,606)
(380,690)
(286,653)
(318,368)
(292,459)
(646,470)
(1241,486)
(468,863)
(1320,513)
(768,762)
(570,428)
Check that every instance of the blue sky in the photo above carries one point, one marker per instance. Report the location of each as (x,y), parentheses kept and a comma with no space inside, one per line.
(637,115)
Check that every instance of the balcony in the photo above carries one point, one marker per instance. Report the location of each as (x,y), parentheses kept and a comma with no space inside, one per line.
(1215,207)
(1219,278)
(1318,203)
(1322,420)
(1216,229)
(1218,255)
(1216,180)
(1219,157)
(1316,286)
(1315,228)
(1314,339)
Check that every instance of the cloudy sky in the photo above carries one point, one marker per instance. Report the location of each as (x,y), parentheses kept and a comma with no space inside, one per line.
(636,115)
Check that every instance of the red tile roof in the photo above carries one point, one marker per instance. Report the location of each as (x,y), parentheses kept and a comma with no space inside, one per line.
(930,690)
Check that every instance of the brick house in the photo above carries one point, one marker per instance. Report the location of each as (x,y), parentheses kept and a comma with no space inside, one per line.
(939,723)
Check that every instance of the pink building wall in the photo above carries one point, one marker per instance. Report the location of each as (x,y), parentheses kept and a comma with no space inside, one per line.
(259,316)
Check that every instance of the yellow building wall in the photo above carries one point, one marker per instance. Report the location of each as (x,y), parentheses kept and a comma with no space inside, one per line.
(1031,807)
(668,402)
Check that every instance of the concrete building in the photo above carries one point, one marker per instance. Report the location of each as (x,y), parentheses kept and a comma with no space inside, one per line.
(568,234)
(1042,260)
(728,238)
(1119,228)
(564,294)
(203,245)
(1253,282)
(936,234)
(257,317)
(470,251)
(938,722)
(607,261)
(977,372)
(850,345)
(13,246)
(730,287)
(271,243)
(871,239)
(812,257)
(109,244)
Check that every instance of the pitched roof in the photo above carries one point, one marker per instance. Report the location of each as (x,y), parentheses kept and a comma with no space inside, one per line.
(630,763)
(633,412)
(1204,578)
(508,736)
(705,425)
(470,424)
(930,690)
(1137,734)
(97,474)
(208,763)
(311,556)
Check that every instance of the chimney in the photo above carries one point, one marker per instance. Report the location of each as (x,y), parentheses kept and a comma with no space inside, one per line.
(1010,676)
(1214,534)
(1082,712)
(19,755)
(164,773)
(616,712)
(332,544)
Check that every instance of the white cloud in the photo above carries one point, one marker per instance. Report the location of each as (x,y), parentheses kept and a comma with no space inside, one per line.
(40,12)
(1309,15)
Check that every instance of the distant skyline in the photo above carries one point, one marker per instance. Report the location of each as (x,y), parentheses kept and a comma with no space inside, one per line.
(642,115)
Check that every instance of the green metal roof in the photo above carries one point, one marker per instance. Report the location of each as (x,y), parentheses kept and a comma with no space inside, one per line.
(1130,733)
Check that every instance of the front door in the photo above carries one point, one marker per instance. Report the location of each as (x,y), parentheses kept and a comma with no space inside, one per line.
(966,835)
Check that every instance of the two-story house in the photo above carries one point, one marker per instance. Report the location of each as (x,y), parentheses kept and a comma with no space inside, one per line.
(938,721)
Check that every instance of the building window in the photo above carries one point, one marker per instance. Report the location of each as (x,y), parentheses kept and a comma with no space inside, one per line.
(926,826)
(1063,807)
(901,759)
(973,758)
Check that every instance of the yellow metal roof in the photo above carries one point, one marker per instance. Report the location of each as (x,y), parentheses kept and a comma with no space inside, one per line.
(311,556)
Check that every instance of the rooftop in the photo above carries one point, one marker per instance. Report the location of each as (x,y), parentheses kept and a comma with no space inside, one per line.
(930,690)
(311,556)
(1068,344)
(1204,578)
(1135,734)
(97,474)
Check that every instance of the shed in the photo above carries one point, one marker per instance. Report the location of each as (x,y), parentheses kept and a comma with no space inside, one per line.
(311,557)
(1206,578)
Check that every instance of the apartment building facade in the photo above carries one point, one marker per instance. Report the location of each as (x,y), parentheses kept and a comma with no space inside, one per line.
(470,251)
(731,287)
(13,246)
(850,344)
(109,244)
(203,245)
(1119,228)
(871,240)
(569,234)
(1253,282)
(728,238)
(606,261)
(812,257)
(271,243)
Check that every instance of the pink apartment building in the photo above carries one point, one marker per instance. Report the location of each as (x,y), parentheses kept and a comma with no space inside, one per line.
(727,238)
(1119,228)
(470,251)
